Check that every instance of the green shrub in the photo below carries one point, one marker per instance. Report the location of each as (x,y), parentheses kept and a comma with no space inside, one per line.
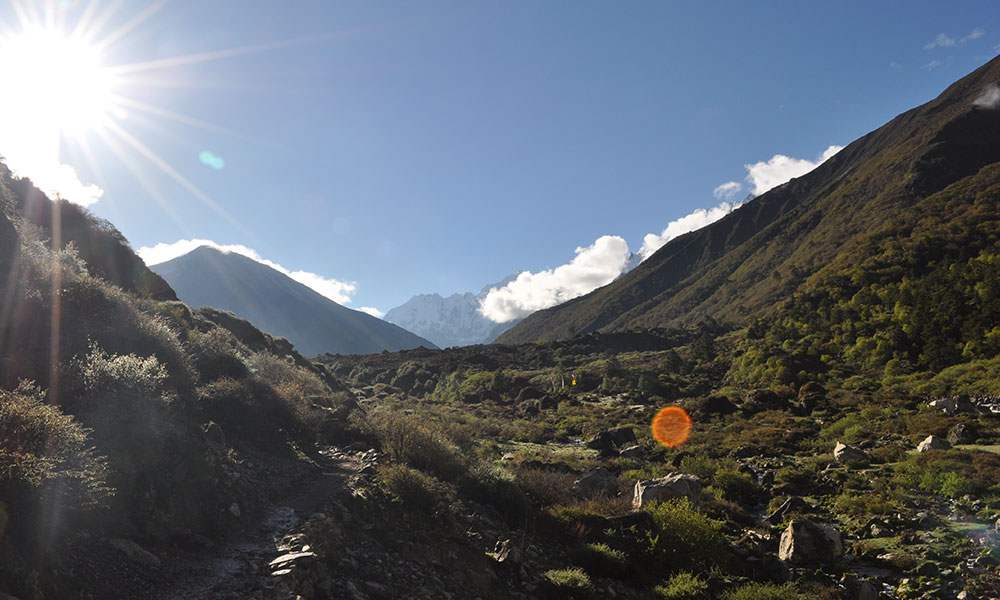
(569,583)
(546,487)
(702,466)
(495,486)
(45,457)
(417,443)
(737,487)
(123,398)
(216,354)
(600,560)
(683,586)
(414,489)
(686,539)
(763,591)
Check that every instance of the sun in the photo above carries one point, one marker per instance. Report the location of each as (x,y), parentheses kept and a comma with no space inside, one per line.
(55,80)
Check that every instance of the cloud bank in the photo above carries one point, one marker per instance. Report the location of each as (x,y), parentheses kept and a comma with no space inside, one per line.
(608,257)
(338,291)
(371,310)
(769,174)
(57,180)
(696,220)
(727,190)
(596,265)
(990,98)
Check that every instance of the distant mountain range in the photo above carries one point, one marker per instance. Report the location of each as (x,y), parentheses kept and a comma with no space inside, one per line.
(279,305)
(451,321)
(751,261)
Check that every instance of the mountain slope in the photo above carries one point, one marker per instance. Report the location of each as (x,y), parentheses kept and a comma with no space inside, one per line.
(279,305)
(750,261)
(451,321)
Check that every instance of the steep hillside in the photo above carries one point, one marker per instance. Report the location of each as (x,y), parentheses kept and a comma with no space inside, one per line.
(104,250)
(125,419)
(747,263)
(279,305)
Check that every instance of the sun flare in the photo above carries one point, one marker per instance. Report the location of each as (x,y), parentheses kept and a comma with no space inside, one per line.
(61,80)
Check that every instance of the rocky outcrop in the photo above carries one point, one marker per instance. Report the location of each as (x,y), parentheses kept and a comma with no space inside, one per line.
(806,542)
(677,485)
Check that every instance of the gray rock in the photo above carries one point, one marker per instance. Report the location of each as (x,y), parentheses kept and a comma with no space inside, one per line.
(213,433)
(867,591)
(506,552)
(672,486)
(234,509)
(793,503)
(135,553)
(808,542)
(599,482)
(631,452)
(962,433)
(291,560)
(844,453)
(933,442)
(610,439)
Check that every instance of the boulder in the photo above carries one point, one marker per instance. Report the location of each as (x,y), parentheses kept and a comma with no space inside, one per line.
(610,439)
(506,552)
(807,542)
(933,442)
(135,553)
(858,589)
(761,400)
(963,433)
(599,482)
(844,453)
(672,486)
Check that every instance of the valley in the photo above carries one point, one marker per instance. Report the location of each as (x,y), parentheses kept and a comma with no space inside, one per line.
(212,428)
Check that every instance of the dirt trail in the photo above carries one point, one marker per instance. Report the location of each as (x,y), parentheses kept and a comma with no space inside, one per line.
(230,569)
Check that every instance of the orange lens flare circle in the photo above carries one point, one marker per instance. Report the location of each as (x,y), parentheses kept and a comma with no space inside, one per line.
(671,426)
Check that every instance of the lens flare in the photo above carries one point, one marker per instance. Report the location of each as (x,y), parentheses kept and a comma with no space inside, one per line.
(671,426)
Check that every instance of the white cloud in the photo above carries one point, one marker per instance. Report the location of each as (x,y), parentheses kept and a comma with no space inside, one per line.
(975,34)
(48,174)
(769,174)
(932,65)
(941,41)
(338,291)
(696,220)
(990,98)
(727,190)
(945,41)
(593,266)
(372,311)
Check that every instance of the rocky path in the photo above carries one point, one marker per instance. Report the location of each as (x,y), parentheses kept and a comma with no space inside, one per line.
(236,568)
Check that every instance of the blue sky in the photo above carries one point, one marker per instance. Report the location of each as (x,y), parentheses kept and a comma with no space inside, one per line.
(416,147)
